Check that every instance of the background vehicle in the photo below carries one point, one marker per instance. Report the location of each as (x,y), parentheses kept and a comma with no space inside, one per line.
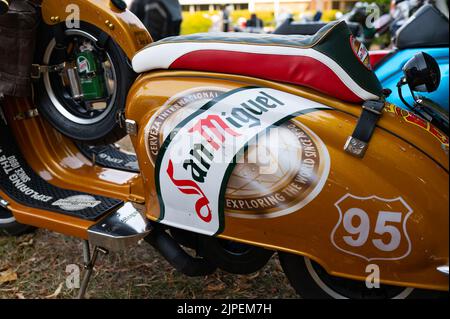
(415,26)
(356,19)
(161,17)
(426,31)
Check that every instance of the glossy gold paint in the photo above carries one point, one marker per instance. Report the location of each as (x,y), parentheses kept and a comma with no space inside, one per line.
(123,26)
(402,161)
(57,160)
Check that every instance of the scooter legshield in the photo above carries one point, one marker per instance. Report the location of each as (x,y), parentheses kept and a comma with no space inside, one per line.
(263,163)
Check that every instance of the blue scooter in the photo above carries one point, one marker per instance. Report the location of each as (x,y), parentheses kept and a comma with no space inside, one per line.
(425,31)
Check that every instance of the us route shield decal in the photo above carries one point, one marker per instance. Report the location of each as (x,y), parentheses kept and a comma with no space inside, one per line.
(196,159)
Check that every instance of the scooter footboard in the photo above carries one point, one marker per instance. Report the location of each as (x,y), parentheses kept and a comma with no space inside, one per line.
(263,164)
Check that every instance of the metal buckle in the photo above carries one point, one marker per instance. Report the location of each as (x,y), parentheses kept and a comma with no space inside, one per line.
(372,109)
(131,127)
(35,71)
(355,147)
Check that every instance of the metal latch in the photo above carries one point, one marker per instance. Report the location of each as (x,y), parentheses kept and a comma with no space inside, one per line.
(37,70)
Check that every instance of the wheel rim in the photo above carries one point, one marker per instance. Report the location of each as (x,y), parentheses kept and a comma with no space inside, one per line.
(62,103)
(6,217)
(340,288)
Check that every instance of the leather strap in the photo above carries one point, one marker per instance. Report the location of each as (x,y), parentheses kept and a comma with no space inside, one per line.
(358,142)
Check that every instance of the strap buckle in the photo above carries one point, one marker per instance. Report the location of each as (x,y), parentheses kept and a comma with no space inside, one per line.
(358,142)
(355,147)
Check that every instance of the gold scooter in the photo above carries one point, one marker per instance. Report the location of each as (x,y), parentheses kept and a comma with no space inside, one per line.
(245,145)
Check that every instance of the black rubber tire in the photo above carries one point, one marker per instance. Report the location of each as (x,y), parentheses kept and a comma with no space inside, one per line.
(107,130)
(296,270)
(12,228)
(250,260)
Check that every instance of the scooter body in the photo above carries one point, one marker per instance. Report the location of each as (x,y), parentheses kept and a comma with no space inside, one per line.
(389,71)
(388,208)
(317,228)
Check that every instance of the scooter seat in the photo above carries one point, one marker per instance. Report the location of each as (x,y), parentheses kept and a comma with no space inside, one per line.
(330,61)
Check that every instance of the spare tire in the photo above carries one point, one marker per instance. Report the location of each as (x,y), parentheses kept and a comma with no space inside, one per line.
(104,75)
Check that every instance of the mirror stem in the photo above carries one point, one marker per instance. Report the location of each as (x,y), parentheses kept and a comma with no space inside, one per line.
(400,94)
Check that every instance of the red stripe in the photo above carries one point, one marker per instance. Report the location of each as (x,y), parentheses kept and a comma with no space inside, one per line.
(299,70)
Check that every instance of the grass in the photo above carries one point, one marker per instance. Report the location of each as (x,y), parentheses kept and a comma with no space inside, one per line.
(197,22)
(40,261)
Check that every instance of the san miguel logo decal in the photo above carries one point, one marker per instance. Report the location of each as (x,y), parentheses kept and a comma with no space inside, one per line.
(291,166)
(238,153)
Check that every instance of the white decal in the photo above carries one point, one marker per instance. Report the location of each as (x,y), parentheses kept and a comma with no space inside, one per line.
(372,228)
(77,202)
(195,161)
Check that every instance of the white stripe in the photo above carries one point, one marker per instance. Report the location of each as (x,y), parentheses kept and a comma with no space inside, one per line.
(319,282)
(163,55)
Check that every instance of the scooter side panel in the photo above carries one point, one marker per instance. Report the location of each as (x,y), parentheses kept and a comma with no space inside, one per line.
(389,208)
(60,162)
(123,26)
(390,72)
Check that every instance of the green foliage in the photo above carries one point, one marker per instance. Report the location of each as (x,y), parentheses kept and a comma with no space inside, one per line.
(195,22)
(200,21)
(329,15)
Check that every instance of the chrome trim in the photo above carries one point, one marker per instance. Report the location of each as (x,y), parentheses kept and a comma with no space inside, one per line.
(131,127)
(355,147)
(9,218)
(443,269)
(74,80)
(120,229)
(3,203)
